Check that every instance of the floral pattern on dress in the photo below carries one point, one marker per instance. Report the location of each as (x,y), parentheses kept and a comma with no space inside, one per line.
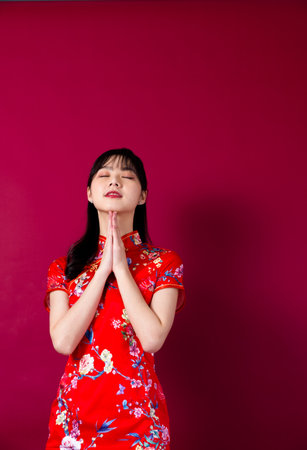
(109,394)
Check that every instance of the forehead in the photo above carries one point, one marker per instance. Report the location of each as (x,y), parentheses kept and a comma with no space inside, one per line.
(116,161)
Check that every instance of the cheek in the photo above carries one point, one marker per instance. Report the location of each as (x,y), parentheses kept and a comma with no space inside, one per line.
(99,181)
(136,192)
(97,188)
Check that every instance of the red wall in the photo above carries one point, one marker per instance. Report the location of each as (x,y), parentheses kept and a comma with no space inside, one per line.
(212,96)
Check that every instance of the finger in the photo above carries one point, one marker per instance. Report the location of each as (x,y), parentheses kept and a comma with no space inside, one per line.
(109,231)
(114,224)
(115,228)
(108,224)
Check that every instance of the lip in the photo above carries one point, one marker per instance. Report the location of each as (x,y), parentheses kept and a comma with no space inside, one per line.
(113,194)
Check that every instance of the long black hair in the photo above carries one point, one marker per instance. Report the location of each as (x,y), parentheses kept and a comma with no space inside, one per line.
(83,251)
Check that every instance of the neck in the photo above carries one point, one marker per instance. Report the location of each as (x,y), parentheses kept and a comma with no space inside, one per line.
(124,221)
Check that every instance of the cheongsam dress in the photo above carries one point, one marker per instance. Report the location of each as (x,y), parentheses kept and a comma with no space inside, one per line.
(109,396)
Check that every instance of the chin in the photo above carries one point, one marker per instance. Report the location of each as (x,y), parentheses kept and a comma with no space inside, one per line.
(111,209)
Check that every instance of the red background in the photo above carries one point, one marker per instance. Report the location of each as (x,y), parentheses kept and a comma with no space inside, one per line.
(212,97)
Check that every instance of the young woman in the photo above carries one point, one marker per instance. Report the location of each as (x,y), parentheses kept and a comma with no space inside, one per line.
(111,302)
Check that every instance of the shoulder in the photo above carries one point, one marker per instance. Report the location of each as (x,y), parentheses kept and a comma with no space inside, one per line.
(56,279)
(162,255)
(58,264)
(165,268)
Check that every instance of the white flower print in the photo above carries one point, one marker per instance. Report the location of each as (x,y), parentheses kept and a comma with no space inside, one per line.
(70,443)
(116,323)
(148,386)
(106,356)
(138,412)
(86,364)
(135,383)
(61,418)
(108,366)
(74,382)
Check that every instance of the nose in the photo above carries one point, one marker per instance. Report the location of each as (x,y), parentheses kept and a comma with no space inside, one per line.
(113,180)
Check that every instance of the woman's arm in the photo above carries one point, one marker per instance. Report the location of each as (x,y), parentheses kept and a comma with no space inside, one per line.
(68,325)
(150,323)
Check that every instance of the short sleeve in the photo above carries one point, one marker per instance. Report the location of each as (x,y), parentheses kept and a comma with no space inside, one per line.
(56,279)
(170,274)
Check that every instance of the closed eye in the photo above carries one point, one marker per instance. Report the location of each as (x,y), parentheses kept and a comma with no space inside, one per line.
(130,178)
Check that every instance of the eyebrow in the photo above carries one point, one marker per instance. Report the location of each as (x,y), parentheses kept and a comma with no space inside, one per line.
(122,168)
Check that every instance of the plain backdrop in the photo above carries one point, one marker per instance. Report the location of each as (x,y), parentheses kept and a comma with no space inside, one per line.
(212,96)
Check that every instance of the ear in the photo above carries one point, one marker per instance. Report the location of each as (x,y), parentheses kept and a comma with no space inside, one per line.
(143,197)
(89,195)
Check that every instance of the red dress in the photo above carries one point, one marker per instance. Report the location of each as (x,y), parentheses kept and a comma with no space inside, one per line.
(109,395)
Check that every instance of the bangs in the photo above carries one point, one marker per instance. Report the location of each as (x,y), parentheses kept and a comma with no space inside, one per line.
(125,162)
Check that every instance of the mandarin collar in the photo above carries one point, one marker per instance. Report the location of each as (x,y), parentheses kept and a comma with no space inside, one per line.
(130,240)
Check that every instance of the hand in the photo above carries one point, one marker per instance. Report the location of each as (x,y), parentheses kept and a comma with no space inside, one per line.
(106,263)
(119,251)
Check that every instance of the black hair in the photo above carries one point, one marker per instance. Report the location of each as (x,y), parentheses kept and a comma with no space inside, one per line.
(83,251)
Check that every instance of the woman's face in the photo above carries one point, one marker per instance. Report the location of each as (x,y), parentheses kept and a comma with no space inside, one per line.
(115,177)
